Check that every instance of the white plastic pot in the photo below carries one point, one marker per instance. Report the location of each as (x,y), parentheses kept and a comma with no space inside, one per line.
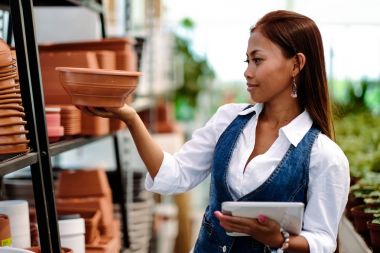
(71,233)
(18,214)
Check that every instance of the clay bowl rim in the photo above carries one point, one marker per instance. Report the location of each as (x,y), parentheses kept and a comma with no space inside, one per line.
(93,71)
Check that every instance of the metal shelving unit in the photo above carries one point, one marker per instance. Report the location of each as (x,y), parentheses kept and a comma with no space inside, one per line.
(39,157)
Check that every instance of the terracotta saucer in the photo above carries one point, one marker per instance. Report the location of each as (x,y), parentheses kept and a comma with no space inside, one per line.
(12,129)
(5,58)
(11,101)
(10,65)
(12,107)
(12,121)
(8,83)
(10,96)
(4,46)
(12,141)
(7,73)
(13,133)
(11,113)
(10,91)
(14,149)
(12,76)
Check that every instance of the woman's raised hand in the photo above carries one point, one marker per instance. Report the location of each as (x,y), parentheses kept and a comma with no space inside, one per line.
(124,113)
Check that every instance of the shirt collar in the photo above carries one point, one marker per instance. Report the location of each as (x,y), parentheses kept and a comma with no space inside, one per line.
(257,108)
(297,128)
(294,131)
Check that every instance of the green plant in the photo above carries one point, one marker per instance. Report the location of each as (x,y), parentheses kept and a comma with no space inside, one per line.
(376,218)
(197,74)
(359,137)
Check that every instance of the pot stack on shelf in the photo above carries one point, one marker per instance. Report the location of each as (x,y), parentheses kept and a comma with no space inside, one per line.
(12,124)
(94,204)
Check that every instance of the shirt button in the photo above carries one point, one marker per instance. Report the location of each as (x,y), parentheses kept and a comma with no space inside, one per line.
(224,248)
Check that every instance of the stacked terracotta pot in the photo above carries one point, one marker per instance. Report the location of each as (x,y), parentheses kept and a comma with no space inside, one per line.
(71,119)
(12,125)
(53,122)
(94,204)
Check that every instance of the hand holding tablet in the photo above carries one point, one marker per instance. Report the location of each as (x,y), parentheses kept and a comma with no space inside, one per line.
(288,214)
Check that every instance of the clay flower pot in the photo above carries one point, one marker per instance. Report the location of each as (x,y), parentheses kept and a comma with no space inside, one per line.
(5,231)
(98,87)
(360,218)
(374,231)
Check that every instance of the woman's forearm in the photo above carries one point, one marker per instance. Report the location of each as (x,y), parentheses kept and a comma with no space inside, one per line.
(149,151)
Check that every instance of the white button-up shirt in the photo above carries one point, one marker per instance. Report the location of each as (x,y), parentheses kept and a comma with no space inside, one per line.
(328,173)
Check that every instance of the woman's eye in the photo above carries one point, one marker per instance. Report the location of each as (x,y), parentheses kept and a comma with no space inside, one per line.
(257,60)
(246,61)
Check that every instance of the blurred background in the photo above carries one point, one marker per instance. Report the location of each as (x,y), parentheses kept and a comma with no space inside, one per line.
(192,57)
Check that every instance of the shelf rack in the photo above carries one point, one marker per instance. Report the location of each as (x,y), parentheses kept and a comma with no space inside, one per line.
(39,157)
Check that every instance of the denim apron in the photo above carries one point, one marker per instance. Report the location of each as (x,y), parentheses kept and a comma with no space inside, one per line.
(287,183)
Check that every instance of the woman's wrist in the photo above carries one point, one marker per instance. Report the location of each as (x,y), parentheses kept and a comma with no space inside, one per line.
(129,117)
(280,242)
(286,238)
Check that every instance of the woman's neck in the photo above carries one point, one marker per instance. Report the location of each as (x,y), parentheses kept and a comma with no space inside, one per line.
(279,115)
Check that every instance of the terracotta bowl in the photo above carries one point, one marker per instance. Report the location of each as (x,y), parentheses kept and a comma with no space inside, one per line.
(98,87)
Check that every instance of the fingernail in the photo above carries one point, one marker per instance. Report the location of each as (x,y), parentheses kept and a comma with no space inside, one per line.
(262,218)
(217,214)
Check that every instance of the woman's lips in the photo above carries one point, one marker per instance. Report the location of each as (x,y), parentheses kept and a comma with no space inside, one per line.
(251,87)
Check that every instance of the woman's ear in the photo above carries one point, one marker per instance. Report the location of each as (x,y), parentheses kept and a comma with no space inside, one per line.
(299,63)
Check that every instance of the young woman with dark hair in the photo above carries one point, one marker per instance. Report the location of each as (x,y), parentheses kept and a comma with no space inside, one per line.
(280,148)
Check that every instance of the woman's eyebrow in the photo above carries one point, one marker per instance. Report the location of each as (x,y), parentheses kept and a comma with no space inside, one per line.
(252,53)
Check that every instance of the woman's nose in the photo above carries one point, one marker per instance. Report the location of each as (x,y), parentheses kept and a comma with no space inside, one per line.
(248,73)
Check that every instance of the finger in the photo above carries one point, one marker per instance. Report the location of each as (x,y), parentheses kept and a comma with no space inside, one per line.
(239,220)
(262,219)
(230,227)
(100,112)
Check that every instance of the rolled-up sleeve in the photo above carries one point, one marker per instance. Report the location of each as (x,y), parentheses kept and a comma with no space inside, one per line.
(188,167)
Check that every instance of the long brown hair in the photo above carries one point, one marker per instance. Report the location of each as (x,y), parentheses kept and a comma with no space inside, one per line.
(295,33)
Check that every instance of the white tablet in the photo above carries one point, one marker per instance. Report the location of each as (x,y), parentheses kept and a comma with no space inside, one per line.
(288,214)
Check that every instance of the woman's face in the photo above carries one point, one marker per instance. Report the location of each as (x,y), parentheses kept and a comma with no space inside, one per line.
(269,73)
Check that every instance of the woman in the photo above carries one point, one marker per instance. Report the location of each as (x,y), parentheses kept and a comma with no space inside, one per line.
(279,149)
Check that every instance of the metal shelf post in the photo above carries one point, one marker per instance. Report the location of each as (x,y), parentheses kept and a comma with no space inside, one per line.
(33,101)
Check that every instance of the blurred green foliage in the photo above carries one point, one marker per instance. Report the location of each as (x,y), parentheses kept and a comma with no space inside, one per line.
(197,74)
(357,127)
